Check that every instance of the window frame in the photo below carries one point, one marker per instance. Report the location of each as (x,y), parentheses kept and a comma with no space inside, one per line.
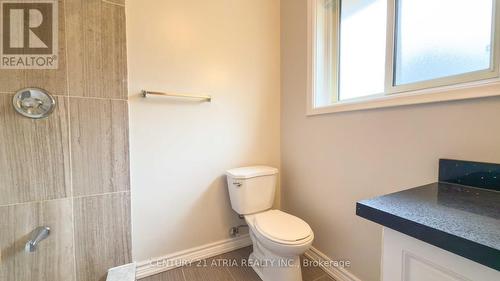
(475,84)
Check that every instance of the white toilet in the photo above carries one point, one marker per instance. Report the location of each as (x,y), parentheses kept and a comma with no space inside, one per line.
(278,238)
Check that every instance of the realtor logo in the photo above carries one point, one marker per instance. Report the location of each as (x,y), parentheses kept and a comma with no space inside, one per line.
(28,34)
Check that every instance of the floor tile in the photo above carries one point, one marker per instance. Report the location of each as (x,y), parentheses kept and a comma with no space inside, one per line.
(311,273)
(325,278)
(215,269)
(243,271)
(171,275)
(206,271)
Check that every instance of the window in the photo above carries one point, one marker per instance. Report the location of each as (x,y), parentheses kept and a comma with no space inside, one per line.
(433,41)
(365,50)
(362,48)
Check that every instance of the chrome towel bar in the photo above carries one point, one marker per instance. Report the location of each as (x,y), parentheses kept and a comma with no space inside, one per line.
(145,93)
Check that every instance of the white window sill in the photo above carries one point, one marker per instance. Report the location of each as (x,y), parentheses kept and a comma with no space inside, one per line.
(450,93)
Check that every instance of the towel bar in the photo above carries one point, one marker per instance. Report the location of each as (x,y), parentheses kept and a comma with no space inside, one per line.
(176,95)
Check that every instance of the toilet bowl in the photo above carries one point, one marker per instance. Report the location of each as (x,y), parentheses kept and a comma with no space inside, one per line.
(278,241)
(278,238)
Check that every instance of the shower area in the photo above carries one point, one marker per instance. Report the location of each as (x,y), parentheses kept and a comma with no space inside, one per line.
(64,146)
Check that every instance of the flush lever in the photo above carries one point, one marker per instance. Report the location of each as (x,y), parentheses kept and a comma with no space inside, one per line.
(39,234)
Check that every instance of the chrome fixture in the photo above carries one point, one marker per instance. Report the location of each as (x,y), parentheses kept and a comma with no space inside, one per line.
(235,231)
(145,93)
(39,234)
(33,103)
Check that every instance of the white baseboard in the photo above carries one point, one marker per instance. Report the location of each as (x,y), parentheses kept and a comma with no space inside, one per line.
(338,273)
(168,262)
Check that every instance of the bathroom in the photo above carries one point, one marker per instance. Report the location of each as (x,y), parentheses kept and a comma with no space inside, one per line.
(247,140)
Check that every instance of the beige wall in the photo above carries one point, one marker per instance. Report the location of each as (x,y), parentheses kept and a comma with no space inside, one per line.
(331,161)
(180,150)
(69,171)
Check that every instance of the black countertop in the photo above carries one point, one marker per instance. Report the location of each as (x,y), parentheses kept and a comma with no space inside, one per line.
(460,219)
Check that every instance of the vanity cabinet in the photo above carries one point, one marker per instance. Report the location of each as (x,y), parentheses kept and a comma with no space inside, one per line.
(444,231)
(405,258)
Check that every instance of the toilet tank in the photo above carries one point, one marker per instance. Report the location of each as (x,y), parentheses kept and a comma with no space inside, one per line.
(252,189)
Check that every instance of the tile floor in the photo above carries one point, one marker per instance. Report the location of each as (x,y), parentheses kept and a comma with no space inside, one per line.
(209,272)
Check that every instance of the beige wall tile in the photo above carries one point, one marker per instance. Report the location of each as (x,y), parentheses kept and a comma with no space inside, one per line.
(97,65)
(117,2)
(102,234)
(99,144)
(52,80)
(7,243)
(34,154)
(11,80)
(53,259)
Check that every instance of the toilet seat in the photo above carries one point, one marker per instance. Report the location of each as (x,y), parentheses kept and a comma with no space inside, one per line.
(282,228)
(278,237)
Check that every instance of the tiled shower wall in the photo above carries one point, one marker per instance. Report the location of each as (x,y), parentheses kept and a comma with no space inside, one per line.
(71,170)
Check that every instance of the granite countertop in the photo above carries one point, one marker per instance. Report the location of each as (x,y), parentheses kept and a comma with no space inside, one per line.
(460,219)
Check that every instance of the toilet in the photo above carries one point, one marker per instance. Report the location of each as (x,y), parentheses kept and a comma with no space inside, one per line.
(278,238)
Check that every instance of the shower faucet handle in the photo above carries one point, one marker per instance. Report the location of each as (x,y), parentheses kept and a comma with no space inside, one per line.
(39,234)
(31,103)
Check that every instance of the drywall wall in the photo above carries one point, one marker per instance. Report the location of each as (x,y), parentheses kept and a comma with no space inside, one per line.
(331,161)
(180,150)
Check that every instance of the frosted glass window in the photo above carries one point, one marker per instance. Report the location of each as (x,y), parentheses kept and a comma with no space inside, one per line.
(326,52)
(363,25)
(436,39)
(364,50)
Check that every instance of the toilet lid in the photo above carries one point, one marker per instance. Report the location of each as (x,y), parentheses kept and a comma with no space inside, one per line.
(281,226)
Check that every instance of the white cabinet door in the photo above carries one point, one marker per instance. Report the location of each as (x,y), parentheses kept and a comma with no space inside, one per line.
(407,259)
